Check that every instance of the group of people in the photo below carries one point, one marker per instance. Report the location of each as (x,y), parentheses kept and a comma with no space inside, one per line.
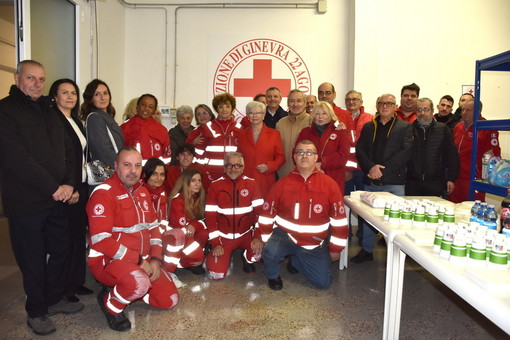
(271,184)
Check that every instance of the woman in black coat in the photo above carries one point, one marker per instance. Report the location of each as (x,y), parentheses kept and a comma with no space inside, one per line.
(64,94)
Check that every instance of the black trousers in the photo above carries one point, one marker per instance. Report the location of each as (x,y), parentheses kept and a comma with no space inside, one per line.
(425,188)
(41,244)
(78,226)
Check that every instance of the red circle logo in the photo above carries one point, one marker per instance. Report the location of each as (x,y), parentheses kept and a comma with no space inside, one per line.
(252,66)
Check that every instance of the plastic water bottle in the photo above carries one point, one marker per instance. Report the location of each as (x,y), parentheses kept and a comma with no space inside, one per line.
(491,218)
(505,215)
(480,215)
(474,211)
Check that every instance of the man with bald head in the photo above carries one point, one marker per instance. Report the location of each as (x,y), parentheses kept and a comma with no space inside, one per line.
(326,92)
(37,183)
(463,138)
(125,243)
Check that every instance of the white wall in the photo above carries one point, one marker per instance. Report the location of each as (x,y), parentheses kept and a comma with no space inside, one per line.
(205,35)
(434,43)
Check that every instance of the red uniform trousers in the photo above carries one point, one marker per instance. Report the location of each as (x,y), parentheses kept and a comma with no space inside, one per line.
(218,265)
(131,283)
(180,251)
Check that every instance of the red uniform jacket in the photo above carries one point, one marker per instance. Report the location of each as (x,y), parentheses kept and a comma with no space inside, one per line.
(232,208)
(344,116)
(123,225)
(267,150)
(463,138)
(333,148)
(220,137)
(159,203)
(306,209)
(147,136)
(178,218)
(410,119)
(361,119)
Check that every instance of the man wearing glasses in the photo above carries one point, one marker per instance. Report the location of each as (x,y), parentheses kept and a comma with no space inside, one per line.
(383,150)
(434,164)
(301,210)
(231,212)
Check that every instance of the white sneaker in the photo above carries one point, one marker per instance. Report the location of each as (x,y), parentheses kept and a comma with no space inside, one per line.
(178,283)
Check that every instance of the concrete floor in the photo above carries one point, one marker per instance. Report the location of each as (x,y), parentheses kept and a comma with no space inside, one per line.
(243,307)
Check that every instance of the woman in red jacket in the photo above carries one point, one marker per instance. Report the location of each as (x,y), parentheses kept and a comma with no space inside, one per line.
(186,216)
(219,137)
(332,145)
(144,133)
(262,148)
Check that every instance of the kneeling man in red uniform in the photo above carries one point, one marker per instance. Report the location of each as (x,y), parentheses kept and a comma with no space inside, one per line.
(125,243)
(231,212)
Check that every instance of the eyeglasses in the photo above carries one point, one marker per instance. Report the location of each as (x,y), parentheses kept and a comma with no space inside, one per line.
(308,153)
(327,93)
(385,103)
(236,166)
(224,106)
(256,113)
(351,100)
(425,109)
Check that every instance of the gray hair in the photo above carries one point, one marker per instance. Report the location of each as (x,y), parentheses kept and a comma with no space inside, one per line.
(21,64)
(229,155)
(255,105)
(356,92)
(184,109)
(424,100)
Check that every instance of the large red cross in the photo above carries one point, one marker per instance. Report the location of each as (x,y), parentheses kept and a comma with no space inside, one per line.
(262,80)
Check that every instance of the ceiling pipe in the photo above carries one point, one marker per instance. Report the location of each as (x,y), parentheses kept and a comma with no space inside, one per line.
(320,5)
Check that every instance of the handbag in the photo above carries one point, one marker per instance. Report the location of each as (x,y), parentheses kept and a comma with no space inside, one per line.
(97,170)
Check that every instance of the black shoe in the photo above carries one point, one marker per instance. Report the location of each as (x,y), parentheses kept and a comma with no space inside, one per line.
(117,322)
(65,306)
(382,242)
(41,325)
(248,267)
(82,290)
(362,256)
(290,268)
(275,284)
(197,270)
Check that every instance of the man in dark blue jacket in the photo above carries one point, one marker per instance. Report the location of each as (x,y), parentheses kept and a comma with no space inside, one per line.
(383,150)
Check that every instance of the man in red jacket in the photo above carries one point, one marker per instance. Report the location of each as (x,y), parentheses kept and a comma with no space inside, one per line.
(463,138)
(125,243)
(301,210)
(231,211)
(408,99)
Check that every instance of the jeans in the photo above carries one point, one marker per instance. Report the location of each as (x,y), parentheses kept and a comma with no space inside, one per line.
(356,183)
(370,232)
(315,264)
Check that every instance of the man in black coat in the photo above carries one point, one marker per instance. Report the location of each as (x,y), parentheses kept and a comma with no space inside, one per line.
(36,184)
(383,150)
(434,164)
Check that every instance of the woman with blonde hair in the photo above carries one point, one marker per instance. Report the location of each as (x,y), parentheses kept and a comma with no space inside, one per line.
(184,245)
(332,144)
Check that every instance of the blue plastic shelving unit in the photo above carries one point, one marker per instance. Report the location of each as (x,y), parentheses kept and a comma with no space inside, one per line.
(499,62)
